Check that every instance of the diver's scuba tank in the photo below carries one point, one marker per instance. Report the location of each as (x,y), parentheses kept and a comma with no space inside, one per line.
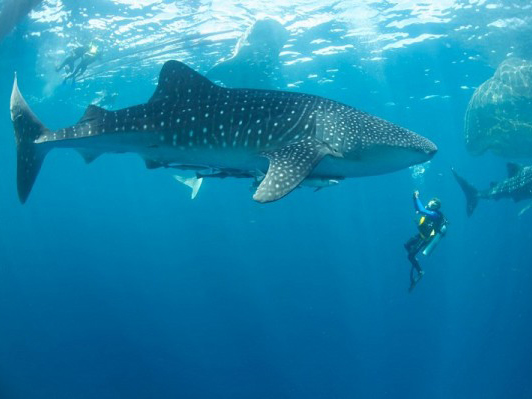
(435,240)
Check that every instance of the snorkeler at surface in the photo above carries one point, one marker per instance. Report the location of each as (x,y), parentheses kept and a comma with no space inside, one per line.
(75,54)
(90,55)
(432,225)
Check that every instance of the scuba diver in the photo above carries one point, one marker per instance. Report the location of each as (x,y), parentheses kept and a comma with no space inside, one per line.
(88,57)
(432,226)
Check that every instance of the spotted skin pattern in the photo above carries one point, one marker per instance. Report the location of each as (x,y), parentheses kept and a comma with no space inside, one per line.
(289,166)
(518,186)
(191,121)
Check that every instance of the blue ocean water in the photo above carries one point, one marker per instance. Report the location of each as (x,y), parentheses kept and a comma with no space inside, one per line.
(114,284)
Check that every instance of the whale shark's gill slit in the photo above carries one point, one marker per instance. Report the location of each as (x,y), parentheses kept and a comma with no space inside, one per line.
(295,125)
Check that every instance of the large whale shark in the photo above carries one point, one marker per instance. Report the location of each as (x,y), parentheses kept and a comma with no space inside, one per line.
(12,12)
(518,186)
(191,123)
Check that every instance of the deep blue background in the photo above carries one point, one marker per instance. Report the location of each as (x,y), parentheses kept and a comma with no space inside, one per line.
(114,284)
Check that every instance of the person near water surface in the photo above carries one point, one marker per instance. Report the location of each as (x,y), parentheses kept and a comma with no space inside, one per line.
(74,55)
(432,225)
(86,54)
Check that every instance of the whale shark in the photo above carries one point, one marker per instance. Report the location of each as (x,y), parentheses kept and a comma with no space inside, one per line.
(255,63)
(190,123)
(12,12)
(518,186)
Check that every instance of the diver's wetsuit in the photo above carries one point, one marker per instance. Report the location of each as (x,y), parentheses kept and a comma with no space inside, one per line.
(87,59)
(68,63)
(431,222)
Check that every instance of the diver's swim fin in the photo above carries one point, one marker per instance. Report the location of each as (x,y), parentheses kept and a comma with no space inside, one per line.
(416,280)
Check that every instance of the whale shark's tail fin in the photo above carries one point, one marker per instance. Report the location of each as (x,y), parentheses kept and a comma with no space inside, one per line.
(471,193)
(30,155)
(193,182)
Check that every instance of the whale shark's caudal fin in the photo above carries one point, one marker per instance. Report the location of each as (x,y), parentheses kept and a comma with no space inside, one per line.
(193,182)
(30,155)
(471,193)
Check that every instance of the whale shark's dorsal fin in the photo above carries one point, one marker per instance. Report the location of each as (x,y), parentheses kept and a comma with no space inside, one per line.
(92,112)
(513,169)
(178,81)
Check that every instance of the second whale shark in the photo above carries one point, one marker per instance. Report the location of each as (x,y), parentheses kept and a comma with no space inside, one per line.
(192,124)
(518,186)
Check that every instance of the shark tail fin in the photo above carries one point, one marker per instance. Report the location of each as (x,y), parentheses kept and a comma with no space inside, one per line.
(471,193)
(193,182)
(30,155)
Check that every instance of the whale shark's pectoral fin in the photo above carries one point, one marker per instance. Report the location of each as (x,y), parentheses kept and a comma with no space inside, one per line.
(289,166)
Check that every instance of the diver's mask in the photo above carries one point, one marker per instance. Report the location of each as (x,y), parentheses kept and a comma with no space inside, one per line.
(434,204)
